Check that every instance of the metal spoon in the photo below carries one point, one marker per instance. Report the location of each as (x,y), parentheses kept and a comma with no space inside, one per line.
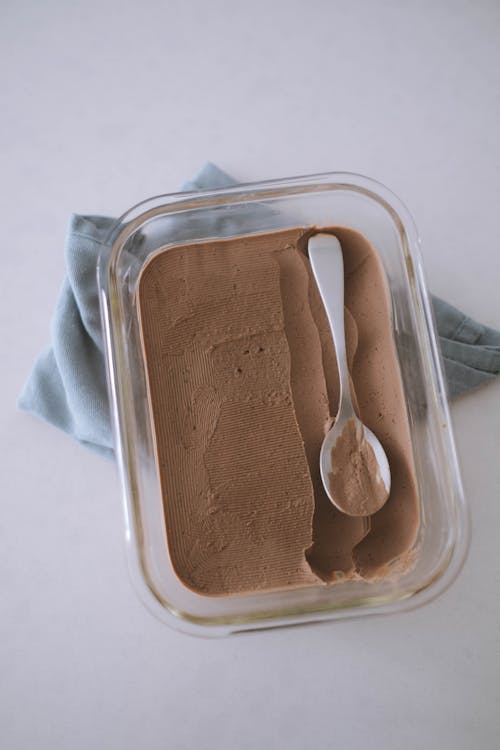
(325,255)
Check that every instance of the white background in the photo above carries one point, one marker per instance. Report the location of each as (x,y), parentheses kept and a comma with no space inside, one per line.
(106,103)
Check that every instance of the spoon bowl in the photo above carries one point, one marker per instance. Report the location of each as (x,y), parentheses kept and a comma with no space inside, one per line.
(372,473)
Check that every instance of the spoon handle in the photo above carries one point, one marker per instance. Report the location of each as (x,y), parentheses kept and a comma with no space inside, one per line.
(325,255)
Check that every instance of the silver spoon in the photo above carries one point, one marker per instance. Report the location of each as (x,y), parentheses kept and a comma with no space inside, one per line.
(366,473)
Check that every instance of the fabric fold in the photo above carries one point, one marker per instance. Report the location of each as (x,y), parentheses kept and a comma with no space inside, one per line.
(67,386)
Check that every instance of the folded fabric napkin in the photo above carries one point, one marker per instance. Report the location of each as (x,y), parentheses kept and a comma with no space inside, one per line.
(67,386)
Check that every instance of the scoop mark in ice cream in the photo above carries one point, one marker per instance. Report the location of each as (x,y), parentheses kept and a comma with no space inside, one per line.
(355,480)
(242,385)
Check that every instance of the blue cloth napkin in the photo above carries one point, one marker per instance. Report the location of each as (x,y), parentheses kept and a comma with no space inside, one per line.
(67,386)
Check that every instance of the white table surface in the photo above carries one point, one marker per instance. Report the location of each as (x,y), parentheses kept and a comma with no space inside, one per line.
(106,103)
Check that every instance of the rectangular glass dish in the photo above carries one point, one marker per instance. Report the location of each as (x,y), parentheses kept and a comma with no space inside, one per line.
(333,199)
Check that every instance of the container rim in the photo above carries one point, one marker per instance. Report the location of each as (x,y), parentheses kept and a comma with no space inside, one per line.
(163,205)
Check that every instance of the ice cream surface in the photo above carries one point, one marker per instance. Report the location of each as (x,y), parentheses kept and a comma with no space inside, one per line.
(242,385)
